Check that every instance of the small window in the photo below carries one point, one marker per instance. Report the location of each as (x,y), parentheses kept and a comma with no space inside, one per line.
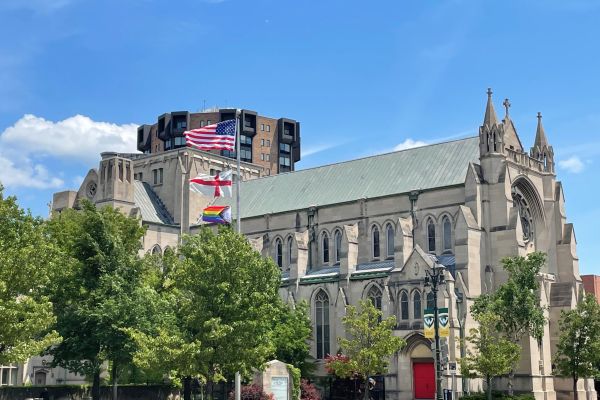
(375,295)
(290,242)
(389,235)
(431,236)
(285,161)
(404,306)
(279,253)
(160,175)
(322,324)
(268,142)
(447,227)
(202,124)
(375,242)
(262,142)
(325,248)
(208,122)
(262,156)
(262,127)
(417,306)
(338,245)
(268,128)
(284,148)
(155,176)
(268,157)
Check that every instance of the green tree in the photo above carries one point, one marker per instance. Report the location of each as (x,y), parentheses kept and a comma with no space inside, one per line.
(101,291)
(370,344)
(225,300)
(578,350)
(291,334)
(27,264)
(516,302)
(488,353)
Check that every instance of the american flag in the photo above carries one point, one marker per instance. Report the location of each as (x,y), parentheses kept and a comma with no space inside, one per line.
(220,136)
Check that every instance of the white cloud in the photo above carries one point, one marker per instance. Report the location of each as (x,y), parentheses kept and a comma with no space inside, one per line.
(32,140)
(26,174)
(409,144)
(78,137)
(572,164)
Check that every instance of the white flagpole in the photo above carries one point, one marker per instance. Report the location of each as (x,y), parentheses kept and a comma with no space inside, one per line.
(238,380)
(239,175)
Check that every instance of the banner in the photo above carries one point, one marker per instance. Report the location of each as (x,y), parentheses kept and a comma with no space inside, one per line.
(443,322)
(428,320)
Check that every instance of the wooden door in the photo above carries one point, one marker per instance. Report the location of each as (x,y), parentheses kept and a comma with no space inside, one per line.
(424,380)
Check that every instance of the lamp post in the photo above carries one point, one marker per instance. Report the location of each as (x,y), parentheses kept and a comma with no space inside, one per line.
(434,278)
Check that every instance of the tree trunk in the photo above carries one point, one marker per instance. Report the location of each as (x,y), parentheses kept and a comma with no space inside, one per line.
(488,380)
(114,380)
(187,388)
(511,375)
(575,395)
(96,385)
(366,396)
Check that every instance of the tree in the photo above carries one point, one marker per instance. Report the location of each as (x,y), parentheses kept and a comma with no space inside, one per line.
(225,300)
(578,350)
(489,354)
(27,264)
(370,343)
(100,292)
(516,302)
(291,334)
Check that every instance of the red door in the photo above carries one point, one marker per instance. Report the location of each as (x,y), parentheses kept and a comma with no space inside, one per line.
(424,380)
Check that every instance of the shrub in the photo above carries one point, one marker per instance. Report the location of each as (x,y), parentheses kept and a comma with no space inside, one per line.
(252,392)
(308,391)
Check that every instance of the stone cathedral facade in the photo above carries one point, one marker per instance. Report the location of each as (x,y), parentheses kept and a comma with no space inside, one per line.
(371,227)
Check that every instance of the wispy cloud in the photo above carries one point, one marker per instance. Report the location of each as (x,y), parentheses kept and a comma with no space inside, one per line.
(572,164)
(409,144)
(37,6)
(318,148)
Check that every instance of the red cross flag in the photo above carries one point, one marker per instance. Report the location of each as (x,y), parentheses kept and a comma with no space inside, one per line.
(217,186)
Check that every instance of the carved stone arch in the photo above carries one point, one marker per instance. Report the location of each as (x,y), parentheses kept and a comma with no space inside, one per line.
(316,291)
(155,249)
(526,186)
(440,224)
(369,286)
(413,340)
(374,291)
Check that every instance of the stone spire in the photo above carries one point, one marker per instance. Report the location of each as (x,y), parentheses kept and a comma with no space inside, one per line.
(541,141)
(490,118)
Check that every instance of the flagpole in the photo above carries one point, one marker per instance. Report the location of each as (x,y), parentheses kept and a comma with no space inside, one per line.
(238,380)
(239,175)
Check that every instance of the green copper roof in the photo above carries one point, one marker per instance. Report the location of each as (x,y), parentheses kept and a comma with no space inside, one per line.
(427,167)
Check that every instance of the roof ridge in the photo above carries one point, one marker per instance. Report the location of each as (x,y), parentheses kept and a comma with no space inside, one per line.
(364,158)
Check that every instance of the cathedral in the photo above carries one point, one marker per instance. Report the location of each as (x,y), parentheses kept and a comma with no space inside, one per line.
(371,228)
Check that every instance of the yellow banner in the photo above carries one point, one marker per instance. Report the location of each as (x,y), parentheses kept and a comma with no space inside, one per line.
(443,322)
(428,323)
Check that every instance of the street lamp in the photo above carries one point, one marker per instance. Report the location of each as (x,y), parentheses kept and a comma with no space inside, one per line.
(433,278)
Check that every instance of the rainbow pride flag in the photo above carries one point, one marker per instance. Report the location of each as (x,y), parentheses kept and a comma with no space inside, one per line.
(217,215)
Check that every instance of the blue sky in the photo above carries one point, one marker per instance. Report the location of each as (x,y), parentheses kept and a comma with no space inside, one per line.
(76,76)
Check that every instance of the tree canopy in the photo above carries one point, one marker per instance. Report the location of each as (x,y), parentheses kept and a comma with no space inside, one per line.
(578,350)
(291,334)
(27,264)
(100,291)
(369,344)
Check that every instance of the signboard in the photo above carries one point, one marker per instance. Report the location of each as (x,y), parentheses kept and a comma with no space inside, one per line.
(428,320)
(279,387)
(452,367)
(444,322)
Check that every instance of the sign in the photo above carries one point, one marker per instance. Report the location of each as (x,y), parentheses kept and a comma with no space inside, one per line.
(279,387)
(443,322)
(452,367)
(428,322)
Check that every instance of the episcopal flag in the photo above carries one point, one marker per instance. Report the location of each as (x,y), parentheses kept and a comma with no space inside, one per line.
(217,214)
(217,186)
(220,136)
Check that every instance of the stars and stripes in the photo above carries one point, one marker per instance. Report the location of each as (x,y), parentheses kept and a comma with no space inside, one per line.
(217,186)
(219,136)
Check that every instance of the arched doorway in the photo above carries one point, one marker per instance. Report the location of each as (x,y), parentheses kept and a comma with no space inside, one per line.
(40,378)
(423,371)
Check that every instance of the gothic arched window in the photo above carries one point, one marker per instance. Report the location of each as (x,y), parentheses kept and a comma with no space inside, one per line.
(431,236)
(375,242)
(156,250)
(430,302)
(374,295)
(325,248)
(279,253)
(417,305)
(290,242)
(404,306)
(522,205)
(338,245)
(389,237)
(322,324)
(447,233)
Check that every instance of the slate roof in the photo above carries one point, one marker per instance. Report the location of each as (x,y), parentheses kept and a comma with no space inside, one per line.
(150,205)
(427,167)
